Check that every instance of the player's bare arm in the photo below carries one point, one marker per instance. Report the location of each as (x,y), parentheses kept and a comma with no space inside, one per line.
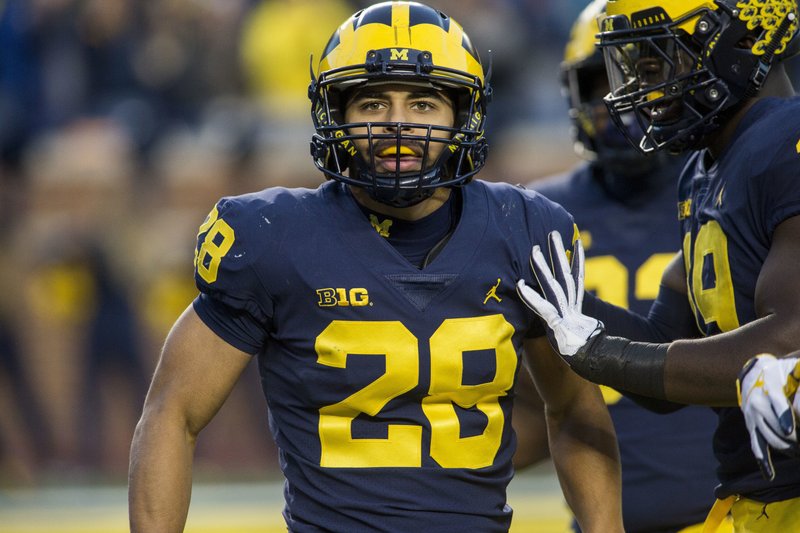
(582,439)
(530,425)
(194,376)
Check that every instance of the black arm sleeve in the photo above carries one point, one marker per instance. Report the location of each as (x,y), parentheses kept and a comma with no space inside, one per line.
(670,317)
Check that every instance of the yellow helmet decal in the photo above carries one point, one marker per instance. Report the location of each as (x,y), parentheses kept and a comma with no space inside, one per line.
(769,15)
(643,13)
(766,14)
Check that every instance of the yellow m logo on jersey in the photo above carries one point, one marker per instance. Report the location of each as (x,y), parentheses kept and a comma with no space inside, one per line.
(685,209)
(381,227)
(401,54)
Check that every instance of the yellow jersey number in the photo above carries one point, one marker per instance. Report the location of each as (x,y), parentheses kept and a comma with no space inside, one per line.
(216,244)
(717,303)
(400,348)
(607,277)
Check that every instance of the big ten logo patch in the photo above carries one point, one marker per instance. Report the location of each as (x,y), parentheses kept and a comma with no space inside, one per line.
(331,297)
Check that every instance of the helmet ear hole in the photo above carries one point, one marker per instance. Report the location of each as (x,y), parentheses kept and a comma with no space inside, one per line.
(747,42)
(337,103)
(462,106)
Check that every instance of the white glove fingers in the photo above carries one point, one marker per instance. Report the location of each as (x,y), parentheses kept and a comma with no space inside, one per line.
(778,387)
(561,268)
(537,303)
(578,264)
(783,413)
(773,435)
(550,287)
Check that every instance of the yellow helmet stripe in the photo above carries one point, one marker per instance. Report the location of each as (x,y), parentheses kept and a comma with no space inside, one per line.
(456,33)
(450,49)
(400,21)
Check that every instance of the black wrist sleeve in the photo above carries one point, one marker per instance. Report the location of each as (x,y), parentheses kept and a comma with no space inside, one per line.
(637,367)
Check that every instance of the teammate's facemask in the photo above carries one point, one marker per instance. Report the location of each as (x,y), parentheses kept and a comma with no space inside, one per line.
(584,83)
(678,66)
(403,43)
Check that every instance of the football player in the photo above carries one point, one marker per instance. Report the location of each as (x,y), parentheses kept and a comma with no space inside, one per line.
(381,309)
(704,77)
(624,204)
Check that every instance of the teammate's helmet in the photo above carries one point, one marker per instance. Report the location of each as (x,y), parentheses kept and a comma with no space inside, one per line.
(583,80)
(679,66)
(580,70)
(402,42)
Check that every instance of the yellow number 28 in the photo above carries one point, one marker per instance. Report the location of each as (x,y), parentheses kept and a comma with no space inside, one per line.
(399,347)
(216,244)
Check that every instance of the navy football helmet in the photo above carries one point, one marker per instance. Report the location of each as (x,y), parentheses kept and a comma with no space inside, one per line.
(584,83)
(679,66)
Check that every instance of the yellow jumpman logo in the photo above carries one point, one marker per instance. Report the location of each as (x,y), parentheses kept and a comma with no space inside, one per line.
(493,293)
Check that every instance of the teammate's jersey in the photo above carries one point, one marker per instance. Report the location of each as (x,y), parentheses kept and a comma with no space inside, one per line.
(728,214)
(668,469)
(389,387)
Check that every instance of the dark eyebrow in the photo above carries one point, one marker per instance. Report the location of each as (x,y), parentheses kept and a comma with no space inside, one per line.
(420,93)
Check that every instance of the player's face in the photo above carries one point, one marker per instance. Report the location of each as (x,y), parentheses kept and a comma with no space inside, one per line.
(405,108)
(657,67)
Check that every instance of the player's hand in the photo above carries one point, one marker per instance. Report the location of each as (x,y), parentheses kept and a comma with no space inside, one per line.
(560,305)
(766,388)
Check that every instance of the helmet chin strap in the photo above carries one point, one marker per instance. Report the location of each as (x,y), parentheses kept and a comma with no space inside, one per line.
(387,190)
(399,197)
(390,195)
(762,68)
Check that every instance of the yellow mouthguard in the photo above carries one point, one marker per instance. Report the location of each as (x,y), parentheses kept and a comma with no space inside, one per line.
(392,150)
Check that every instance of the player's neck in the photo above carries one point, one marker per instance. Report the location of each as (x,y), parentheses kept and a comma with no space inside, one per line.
(414,212)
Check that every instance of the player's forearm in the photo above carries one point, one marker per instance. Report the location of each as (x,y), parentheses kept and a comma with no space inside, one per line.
(693,371)
(160,476)
(704,371)
(585,453)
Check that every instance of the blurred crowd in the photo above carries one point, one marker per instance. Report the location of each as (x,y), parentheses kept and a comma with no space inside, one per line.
(121,123)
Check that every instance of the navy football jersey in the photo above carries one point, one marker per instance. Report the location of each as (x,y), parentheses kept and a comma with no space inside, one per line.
(389,387)
(668,468)
(728,213)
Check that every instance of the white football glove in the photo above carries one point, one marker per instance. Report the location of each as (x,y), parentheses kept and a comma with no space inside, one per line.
(560,307)
(766,388)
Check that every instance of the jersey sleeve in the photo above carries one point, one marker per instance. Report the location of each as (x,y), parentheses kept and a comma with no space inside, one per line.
(556,218)
(233,301)
(548,216)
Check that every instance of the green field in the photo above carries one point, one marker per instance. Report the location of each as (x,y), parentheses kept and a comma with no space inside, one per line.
(232,508)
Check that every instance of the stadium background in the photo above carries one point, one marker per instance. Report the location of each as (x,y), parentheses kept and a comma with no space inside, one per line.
(121,123)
